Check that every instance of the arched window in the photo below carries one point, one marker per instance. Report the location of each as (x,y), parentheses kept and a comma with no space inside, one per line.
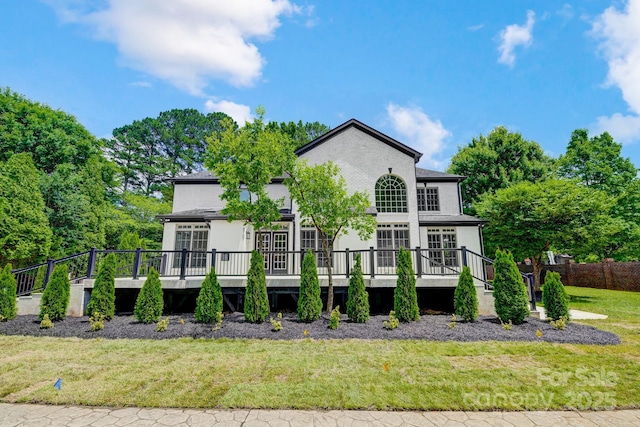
(391,194)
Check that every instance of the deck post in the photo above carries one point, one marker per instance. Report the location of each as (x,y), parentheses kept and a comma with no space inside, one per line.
(418,262)
(136,263)
(183,264)
(91,263)
(464,256)
(213,257)
(47,275)
(372,259)
(346,258)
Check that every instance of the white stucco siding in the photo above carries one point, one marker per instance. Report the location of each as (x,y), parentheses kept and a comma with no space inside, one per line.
(363,159)
(278,191)
(197,196)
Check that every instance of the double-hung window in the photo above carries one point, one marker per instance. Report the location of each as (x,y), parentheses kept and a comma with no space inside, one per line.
(310,241)
(390,238)
(193,238)
(428,199)
(442,244)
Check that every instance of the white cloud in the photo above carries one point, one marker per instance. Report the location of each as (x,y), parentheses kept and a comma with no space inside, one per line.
(238,112)
(185,42)
(417,130)
(515,35)
(624,129)
(475,27)
(620,45)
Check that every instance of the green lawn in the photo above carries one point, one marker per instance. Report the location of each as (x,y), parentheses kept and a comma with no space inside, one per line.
(344,374)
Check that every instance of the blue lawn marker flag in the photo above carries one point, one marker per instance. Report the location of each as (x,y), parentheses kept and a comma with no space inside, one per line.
(58,384)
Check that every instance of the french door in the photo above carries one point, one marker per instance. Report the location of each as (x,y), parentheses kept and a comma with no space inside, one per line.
(274,242)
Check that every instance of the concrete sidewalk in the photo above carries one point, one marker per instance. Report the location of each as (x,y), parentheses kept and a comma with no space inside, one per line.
(13,415)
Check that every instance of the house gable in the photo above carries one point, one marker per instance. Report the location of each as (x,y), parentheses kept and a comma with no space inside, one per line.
(353,123)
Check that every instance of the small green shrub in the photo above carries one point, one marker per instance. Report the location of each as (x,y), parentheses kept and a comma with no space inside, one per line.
(96,321)
(149,303)
(8,290)
(219,317)
(276,325)
(162,325)
(392,323)
(209,302)
(38,284)
(358,297)
(46,323)
(334,318)
(465,300)
(103,295)
(509,290)
(55,298)
(554,297)
(309,301)
(560,323)
(405,297)
(506,326)
(256,302)
(452,324)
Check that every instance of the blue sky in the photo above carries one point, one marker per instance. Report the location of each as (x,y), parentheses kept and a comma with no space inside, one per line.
(432,74)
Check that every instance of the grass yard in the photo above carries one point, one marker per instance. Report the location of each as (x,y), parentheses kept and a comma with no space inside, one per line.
(346,374)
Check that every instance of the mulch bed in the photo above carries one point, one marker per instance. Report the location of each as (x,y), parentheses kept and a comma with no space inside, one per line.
(429,327)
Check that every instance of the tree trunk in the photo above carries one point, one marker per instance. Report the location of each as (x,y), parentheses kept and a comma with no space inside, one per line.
(328,250)
(536,273)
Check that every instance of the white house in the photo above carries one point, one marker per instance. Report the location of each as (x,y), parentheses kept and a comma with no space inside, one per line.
(414,208)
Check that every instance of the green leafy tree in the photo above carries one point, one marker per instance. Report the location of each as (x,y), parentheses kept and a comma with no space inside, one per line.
(25,236)
(495,161)
(405,297)
(301,133)
(309,301)
(256,302)
(55,298)
(150,303)
(321,195)
(531,218)
(53,137)
(103,296)
(465,298)
(596,162)
(248,159)
(554,297)
(151,150)
(357,297)
(509,291)
(209,301)
(8,290)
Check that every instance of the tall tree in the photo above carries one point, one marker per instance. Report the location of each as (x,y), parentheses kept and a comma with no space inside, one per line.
(529,218)
(25,236)
(301,133)
(249,158)
(150,150)
(495,161)
(51,136)
(596,162)
(322,198)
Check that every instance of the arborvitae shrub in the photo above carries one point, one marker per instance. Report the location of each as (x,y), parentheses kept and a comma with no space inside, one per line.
(309,301)
(334,318)
(150,303)
(465,299)
(554,297)
(509,290)
(256,303)
(358,297)
(405,297)
(38,284)
(8,286)
(209,302)
(103,296)
(55,298)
